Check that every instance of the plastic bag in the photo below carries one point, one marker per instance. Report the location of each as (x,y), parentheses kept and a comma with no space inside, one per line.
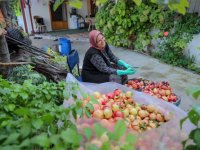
(167,136)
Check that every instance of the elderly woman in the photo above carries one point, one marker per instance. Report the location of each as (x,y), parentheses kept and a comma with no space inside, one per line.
(101,65)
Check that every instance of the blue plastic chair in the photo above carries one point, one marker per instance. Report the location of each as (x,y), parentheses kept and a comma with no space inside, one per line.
(72,61)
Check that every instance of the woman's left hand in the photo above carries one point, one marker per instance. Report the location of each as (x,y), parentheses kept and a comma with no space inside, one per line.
(124,64)
(127,66)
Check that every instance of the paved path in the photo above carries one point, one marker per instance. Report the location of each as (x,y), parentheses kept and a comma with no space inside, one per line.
(150,68)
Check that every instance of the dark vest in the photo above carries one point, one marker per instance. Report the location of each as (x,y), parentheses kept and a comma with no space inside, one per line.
(89,71)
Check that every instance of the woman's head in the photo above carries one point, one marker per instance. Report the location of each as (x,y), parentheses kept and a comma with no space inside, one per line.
(97,39)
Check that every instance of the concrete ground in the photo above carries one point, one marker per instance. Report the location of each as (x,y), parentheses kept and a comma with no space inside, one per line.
(149,68)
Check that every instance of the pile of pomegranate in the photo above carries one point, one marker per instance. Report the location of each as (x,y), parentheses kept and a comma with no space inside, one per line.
(161,90)
(119,105)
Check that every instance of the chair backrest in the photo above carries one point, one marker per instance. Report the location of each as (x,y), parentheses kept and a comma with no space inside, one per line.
(39,20)
(73,60)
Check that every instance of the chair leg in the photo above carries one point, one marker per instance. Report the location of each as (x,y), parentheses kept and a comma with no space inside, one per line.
(78,70)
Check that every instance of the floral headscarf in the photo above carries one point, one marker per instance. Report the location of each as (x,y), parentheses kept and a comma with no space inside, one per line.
(93,38)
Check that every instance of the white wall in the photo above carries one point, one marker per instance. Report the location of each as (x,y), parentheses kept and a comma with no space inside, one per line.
(193,48)
(41,8)
(38,8)
(194,6)
(83,12)
(21,22)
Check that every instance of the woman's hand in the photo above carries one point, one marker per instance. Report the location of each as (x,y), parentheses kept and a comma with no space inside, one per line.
(124,64)
(128,71)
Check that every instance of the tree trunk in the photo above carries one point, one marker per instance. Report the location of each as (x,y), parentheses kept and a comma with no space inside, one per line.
(4,55)
(4,51)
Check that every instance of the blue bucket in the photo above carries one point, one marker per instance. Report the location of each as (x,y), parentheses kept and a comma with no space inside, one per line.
(64,46)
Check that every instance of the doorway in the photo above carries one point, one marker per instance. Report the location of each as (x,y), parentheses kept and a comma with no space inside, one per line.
(59,17)
(93,8)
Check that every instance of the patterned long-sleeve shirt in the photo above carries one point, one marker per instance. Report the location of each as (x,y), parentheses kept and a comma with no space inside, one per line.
(100,64)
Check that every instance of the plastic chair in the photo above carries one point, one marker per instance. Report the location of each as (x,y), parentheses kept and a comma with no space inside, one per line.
(39,23)
(72,61)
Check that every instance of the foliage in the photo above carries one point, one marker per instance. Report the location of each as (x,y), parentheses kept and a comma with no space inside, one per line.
(57,4)
(175,5)
(32,117)
(72,3)
(171,48)
(25,72)
(95,135)
(128,25)
(194,118)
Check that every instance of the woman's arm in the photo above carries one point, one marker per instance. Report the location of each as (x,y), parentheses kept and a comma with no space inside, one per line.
(100,64)
(110,54)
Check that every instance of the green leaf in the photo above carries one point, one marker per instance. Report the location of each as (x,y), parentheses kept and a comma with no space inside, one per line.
(194,117)
(197,137)
(54,139)
(196,94)
(37,123)
(41,140)
(93,100)
(11,107)
(87,133)
(196,108)
(76,4)
(12,138)
(74,113)
(22,111)
(184,142)
(57,4)
(79,112)
(67,111)
(182,121)
(128,147)
(130,138)
(25,129)
(65,94)
(90,106)
(92,147)
(71,136)
(105,146)
(9,147)
(99,130)
(24,95)
(191,147)
(48,118)
(2,137)
(184,3)
(25,143)
(138,2)
(153,1)
(119,129)
(14,95)
(88,114)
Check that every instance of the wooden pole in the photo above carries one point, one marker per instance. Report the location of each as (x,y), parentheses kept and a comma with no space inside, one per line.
(29,9)
(24,16)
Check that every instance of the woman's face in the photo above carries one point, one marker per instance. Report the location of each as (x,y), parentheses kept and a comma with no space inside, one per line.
(101,43)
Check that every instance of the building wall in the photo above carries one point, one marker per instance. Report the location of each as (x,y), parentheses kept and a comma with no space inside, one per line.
(193,48)
(194,6)
(41,8)
(83,12)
